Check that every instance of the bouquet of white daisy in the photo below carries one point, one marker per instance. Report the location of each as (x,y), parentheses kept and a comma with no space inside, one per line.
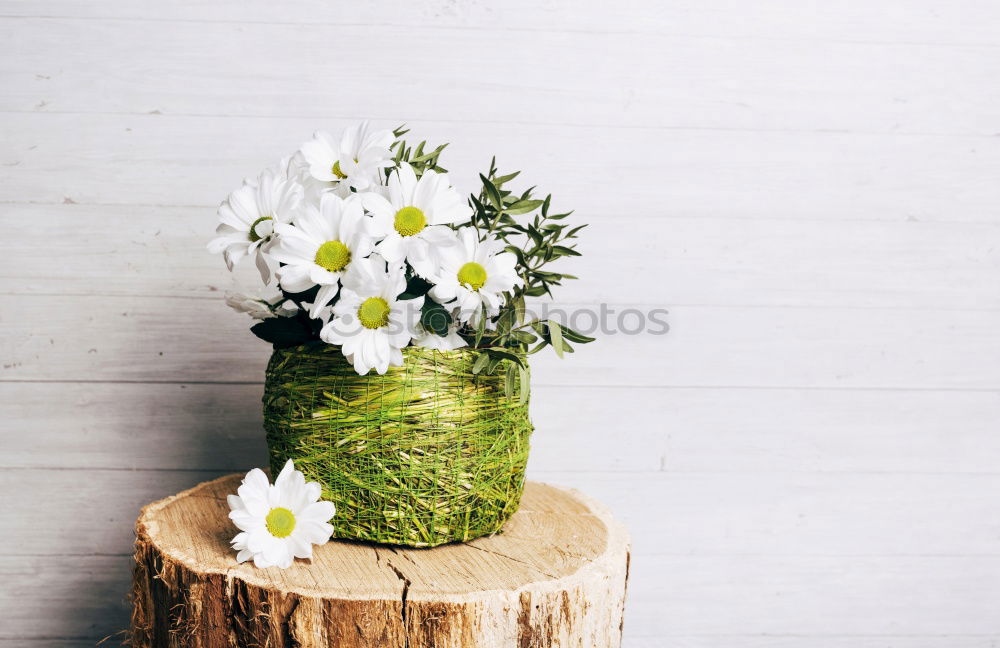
(366,252)
(362,242)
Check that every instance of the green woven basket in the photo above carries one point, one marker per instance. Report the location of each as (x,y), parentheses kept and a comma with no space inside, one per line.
(426,454)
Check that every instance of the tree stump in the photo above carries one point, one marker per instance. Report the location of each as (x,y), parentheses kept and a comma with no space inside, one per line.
(555,576)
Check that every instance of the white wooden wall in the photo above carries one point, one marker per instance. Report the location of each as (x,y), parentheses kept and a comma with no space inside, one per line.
(810,459)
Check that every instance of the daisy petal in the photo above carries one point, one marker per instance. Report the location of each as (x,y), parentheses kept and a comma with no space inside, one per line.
(318,512)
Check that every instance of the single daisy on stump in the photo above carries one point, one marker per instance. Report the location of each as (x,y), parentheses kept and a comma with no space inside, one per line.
(320,245)
(281,522)
(415,218)
(473,276)
(248,216)
(369,322)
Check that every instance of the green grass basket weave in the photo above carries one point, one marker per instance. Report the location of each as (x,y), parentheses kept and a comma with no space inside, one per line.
(426,454)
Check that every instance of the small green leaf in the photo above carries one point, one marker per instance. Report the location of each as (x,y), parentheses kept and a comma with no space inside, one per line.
(523,337)
(505,178)
(308,295)
(283,332)
(523,374)
(518,252)
(415,287)
(524,207)
(505,355)
(555,333)
(506,321)
(492,193)
(538,347)
(536,291)
(520,308)
(575,336)
(480,363)
(481,328)
(420,156)
(434,317)
(509,384)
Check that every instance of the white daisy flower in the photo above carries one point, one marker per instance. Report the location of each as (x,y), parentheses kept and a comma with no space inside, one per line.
(321,245)
(355,160)
(414,217)
(313,189)
(281,522)
(247,218)
(261,304)
(369,322)
(474,274)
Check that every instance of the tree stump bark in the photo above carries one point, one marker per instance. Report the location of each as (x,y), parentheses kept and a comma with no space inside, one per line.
(555,576)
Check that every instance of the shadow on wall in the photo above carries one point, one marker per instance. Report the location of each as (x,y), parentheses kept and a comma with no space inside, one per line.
(186,434)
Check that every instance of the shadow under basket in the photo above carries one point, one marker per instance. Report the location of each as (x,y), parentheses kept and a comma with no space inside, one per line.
(429,453)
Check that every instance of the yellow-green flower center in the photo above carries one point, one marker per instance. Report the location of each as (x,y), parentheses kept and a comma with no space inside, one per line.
(409,221)
(280,522)
(337,171)
(472,275)
(333,256)
(374,313)
(254,236)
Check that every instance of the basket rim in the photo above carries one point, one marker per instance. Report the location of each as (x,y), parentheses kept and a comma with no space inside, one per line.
(319,345)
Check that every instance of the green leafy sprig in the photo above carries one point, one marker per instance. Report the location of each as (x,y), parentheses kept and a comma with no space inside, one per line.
(537,236)
(417,156)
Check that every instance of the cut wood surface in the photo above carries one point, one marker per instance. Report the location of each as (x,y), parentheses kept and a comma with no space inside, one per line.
(554,576)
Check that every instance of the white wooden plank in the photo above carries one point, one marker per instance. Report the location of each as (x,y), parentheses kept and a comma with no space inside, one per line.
(824,431)
(62,65)
(211,426)
(132,426)
(80,512)
(686,514)
(894,21)
(161,251)
(63,601)
(182,340)
(793,514)
(158,159)
(680,596)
